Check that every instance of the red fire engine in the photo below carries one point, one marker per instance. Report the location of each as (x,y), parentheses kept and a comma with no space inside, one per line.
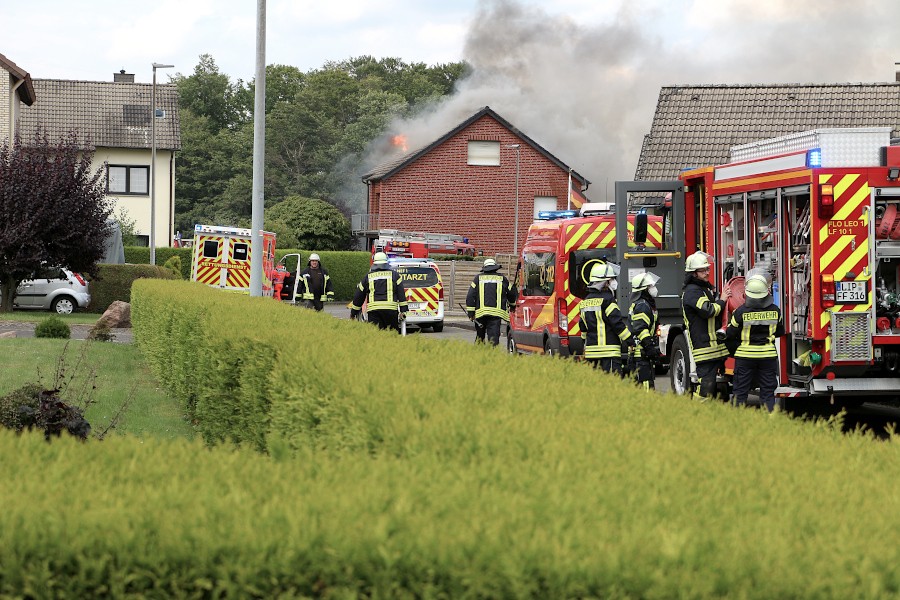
(818,211)
(421,244)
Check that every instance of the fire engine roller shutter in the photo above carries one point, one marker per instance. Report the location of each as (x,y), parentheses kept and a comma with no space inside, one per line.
(843,247)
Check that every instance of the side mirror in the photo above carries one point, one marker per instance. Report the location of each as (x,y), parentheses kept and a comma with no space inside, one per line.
(640,228)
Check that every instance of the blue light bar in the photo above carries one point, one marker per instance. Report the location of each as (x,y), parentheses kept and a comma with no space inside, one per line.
(548,215)
(814,157)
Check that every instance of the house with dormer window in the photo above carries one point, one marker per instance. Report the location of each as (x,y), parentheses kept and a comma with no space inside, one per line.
(115,118)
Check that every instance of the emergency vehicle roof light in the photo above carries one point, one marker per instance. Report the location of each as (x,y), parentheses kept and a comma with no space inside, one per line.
(814,158)
(548,215)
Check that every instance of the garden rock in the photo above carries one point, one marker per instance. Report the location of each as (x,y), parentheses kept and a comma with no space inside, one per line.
(117,316)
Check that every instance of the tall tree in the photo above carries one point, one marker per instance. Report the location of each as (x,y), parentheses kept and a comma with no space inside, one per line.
(53,209)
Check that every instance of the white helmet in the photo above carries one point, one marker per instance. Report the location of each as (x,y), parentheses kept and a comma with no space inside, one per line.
(604,272)
(380,258)
(697,260)
(313,257)
(756,287)
(490,265)
(642,281)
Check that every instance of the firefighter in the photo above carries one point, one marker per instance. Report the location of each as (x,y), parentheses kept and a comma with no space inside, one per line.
(383,289)
(278,277)
(756,324)
(488,301)
(602,327)
(316,284)
(702,312)
(643,321)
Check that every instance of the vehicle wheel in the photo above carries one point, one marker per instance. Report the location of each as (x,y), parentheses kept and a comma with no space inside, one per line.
(511,342)
(548,351)
(680,366)
(438,327)
(63,305)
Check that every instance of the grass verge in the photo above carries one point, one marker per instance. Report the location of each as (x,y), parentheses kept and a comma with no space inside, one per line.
(120,375)
(36,316)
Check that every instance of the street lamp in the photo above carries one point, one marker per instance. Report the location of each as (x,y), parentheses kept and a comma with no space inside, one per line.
(516,221)
(153,163)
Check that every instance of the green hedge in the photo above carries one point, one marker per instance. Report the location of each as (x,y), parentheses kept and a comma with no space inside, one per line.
(113,282)
(344,268)
(410,467)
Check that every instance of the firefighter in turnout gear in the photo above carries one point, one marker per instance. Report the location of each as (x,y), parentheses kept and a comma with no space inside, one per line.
(756,324)
(702,316)
(602,326)
(382,289)
(316,284)
(488,301)
(643,321)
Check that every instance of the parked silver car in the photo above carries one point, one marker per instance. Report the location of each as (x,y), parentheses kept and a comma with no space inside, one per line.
(55,289)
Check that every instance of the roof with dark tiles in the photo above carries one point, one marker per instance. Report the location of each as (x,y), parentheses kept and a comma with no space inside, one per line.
(696,126)
(109,114)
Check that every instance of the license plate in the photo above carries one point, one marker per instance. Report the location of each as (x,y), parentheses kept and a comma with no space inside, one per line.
(850,292)
(418,305)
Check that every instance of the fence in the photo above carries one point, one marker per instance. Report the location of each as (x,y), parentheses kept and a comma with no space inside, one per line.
(458,275)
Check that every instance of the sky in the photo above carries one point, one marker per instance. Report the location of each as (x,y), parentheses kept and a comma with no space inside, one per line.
(580,77)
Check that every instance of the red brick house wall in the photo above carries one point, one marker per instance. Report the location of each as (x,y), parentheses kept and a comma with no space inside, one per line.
(439,192)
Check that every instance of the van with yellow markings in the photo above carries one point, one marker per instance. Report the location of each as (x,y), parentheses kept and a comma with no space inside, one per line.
(221,258)
(559,251)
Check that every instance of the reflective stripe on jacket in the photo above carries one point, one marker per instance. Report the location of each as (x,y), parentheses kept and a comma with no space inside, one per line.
(757,328)
(382,289)
(324,293)
(644,319)
(702,312)
(490,294)
(602,326)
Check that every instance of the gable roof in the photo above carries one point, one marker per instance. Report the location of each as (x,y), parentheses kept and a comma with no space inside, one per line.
(386,169)
(108,114)
(696,126)
(26,90)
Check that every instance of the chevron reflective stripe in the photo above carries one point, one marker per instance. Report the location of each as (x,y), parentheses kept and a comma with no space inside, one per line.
(427,295)
(209,270)
(239,271)
(841,244)
(586,235)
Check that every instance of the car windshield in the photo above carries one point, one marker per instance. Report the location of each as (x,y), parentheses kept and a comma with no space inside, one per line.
(417,277)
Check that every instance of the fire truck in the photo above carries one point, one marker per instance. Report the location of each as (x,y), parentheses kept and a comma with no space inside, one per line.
(560,249)
(819,212)
(421,243)
(221,258)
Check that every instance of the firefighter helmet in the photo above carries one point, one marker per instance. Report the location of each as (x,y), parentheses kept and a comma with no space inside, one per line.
(756,287)
(696,261)
(380,258)
(490,265)
(604,272)
(313,257)
(642,281)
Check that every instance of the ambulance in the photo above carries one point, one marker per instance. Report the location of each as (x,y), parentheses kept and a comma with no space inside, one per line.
(424,291)
(560,249)
(221,258)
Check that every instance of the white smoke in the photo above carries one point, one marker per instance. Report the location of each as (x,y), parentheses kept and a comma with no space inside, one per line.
(587,93)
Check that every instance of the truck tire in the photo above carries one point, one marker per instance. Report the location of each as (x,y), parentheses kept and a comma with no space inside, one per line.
(680,366)
(437,327)
(511,342)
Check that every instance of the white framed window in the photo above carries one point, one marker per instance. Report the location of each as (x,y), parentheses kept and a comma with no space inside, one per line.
(483,153)
(542,203)
(125,179)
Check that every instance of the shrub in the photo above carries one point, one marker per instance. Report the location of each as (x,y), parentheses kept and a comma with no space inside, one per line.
(113,282)
(54,327)
(31,406)
(174,265)
(101,332)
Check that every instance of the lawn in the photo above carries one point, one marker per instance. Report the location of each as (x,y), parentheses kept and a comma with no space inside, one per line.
(36,316)
(117,371)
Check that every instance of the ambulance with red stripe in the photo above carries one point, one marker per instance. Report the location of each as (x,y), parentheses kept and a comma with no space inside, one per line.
(559,251)
(221,258)
(818,212)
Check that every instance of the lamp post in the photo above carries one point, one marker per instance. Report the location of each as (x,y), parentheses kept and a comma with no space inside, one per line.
(153,162)
(516,217)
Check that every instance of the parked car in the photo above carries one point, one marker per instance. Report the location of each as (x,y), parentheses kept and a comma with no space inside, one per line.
(55,289)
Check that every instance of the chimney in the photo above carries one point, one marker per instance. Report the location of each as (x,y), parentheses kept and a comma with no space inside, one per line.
(123,77)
